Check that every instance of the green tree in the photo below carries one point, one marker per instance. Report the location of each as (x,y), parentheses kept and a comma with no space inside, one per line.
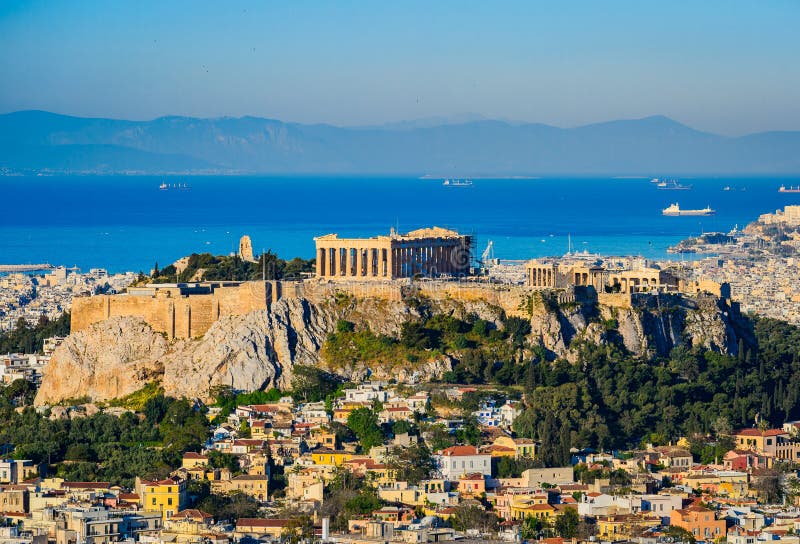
(470,517)
(412,464)
(299,528)
(438,437)
(364,423)
(469,432)
(531,528)
(310,384)
(566,525)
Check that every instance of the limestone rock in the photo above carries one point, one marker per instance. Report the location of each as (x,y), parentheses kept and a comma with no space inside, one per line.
(258,350)
(109,359)
(249,352)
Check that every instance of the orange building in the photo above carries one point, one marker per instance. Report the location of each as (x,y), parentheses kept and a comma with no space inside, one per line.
(471,485)
(699,521)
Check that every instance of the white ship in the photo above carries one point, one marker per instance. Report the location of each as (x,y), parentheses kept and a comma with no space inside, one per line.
(675,209)
(672,185)
(182,186)
(457,183)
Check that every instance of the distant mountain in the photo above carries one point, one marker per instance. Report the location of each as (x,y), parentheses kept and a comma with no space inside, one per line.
(37,141)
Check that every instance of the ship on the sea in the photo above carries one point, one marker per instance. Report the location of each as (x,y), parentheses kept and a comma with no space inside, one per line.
(457,183)
(672,185)
(182,186)
(790,189)
(675,210)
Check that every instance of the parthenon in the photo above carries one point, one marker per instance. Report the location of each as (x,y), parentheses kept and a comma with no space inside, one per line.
(432,252)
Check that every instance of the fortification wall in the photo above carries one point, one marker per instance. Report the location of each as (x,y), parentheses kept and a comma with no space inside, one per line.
(509,298)
(615,300)
(172,314)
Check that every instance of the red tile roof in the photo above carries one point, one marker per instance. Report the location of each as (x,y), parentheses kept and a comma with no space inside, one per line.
(460,451)
(193,455)
(759,432)
(193,514)
(128,497)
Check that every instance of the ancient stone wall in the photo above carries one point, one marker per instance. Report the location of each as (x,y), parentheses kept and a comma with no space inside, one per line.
(509,298)
(172,314)
(615,300)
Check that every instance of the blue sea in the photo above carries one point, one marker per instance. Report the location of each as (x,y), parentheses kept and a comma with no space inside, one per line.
(126,223)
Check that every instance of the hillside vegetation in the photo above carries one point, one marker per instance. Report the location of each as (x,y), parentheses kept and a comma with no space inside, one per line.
(226,267)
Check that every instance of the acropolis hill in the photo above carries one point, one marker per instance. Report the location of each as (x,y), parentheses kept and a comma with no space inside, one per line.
(382,268)
(249,335)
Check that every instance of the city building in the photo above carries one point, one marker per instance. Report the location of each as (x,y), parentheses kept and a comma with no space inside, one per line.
(167,496)
(455,461)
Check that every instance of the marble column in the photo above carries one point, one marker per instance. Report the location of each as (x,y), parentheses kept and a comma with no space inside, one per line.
(320,262)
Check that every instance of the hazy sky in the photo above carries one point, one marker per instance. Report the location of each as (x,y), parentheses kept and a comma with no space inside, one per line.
(725,66)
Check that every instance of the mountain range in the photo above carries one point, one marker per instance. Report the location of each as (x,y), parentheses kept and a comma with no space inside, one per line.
(39,141)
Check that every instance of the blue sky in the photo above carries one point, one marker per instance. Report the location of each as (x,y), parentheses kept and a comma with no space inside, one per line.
(724,66)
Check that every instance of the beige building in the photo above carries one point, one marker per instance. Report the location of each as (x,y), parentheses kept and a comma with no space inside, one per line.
(254,485)
(790,215)
(429,252)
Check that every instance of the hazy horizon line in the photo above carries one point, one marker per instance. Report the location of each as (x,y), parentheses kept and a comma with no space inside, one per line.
(422,122)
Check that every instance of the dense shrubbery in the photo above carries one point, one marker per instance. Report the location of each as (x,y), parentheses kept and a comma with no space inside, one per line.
(223,267)
(26,339)
(106,447)
(483,353)
(228,400)
(611,399)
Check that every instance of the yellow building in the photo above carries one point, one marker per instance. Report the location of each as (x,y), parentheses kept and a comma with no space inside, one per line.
(771,442)
(261,430)
(192,460)
(327,456)
(165,496)
(543,512)
(523,447)
(626,526)
(324,438)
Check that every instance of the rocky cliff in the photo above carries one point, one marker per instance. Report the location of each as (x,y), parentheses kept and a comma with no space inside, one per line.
(257,350)
(650,326)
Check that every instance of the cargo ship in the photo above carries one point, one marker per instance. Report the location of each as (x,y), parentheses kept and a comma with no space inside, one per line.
(675,209)
(790,189)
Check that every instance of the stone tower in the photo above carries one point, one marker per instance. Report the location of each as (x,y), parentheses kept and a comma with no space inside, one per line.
(246,249)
